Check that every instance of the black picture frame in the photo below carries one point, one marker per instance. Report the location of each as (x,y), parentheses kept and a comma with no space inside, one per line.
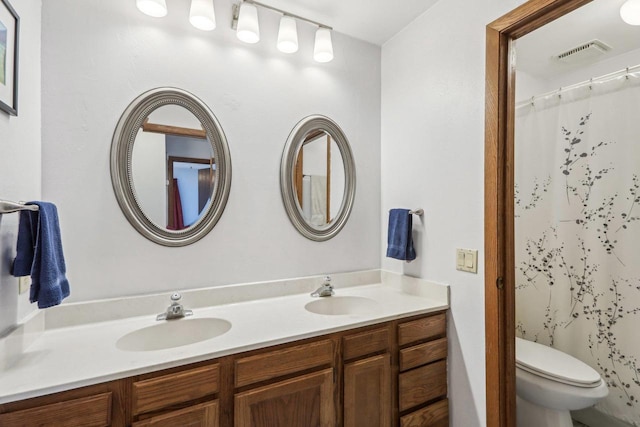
(10,104)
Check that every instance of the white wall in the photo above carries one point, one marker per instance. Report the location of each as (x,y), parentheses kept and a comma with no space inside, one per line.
(98,56)
(20,157)
(432,158)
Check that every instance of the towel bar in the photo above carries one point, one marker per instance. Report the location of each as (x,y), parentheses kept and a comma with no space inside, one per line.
(418,212)
(8,207)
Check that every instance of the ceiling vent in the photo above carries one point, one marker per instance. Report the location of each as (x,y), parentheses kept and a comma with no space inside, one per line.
(586,51)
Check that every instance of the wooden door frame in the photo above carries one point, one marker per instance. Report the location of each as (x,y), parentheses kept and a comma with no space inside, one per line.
(499,200)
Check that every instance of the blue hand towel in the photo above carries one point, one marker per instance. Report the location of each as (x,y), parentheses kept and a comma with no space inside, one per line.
(39,254)
(399,240)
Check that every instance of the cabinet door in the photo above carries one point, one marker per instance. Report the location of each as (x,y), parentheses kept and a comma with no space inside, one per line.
(367,392)
(304,401)
(203,415)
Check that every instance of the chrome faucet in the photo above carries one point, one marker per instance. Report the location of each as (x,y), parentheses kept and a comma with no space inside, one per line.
(326,290)
(175,310)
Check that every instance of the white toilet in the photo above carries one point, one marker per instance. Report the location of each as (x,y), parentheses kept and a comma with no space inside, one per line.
(550,383)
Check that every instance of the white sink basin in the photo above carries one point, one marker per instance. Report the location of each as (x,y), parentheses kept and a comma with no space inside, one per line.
(173,333)
(343,305)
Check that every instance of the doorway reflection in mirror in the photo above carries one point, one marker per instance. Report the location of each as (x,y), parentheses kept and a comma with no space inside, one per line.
(173,168)
(319,179)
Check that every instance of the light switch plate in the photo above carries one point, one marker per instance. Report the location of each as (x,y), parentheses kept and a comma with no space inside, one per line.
(467,260)
(24,283)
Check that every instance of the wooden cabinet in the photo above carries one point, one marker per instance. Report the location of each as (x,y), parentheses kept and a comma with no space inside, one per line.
(390,374)
(303,401)
(366,342)
(99,405)
(367,397)
(367,392)
(202,415)
(288,360)
(422,381)
(172,389)
(422,384)
(422,329)
(91,411)
(435,415)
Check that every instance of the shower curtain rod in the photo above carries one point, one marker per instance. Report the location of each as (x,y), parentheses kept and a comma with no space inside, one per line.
(601,79)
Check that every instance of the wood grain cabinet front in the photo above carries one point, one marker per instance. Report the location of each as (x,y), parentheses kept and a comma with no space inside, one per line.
(367,392)
(202,415)
(422,382)
(172,389)
(389,374)
(91,411)
(434,415)
(303,401)
(276,363)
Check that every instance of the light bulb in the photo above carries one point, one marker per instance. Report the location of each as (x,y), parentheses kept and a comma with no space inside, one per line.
(288,35)
(248,27)
(202,16)
(155,8)
(323,49)
(630,12)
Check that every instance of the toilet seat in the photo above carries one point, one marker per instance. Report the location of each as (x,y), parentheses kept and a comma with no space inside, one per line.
(552,364)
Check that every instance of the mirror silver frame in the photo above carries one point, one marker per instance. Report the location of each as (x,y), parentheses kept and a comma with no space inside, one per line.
(121,156)
(287,165)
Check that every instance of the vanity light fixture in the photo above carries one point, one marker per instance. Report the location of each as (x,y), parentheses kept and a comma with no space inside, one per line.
(630,12)
(247,27)
(323,48)
(202,15)
(288,35)
(155,8)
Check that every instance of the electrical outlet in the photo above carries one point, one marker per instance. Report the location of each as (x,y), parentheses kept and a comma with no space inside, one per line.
(24,283)
(467,260)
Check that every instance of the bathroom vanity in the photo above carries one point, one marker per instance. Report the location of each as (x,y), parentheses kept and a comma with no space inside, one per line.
(390,372)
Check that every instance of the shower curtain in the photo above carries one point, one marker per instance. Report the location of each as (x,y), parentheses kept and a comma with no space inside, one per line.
(577,232)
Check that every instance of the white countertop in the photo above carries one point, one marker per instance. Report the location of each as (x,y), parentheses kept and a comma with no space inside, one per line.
(69,355)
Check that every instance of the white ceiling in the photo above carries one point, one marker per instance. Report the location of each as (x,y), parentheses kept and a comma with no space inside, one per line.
(599,19)
(374,21)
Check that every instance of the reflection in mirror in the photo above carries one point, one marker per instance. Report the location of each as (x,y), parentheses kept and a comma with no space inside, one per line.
(173,168)
(170,166)
(319,178)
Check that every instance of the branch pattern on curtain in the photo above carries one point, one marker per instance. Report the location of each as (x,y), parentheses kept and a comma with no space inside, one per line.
(578,232)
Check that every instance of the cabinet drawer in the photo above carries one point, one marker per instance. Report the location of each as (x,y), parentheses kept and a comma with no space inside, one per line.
(422,354)
(273,364)
(203,415)
(93,411)
(365,343)
(422,384)
(161,392)
(434,415)
(422,329)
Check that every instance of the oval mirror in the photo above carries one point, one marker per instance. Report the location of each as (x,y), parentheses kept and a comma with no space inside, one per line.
(318,178)
(170,166)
